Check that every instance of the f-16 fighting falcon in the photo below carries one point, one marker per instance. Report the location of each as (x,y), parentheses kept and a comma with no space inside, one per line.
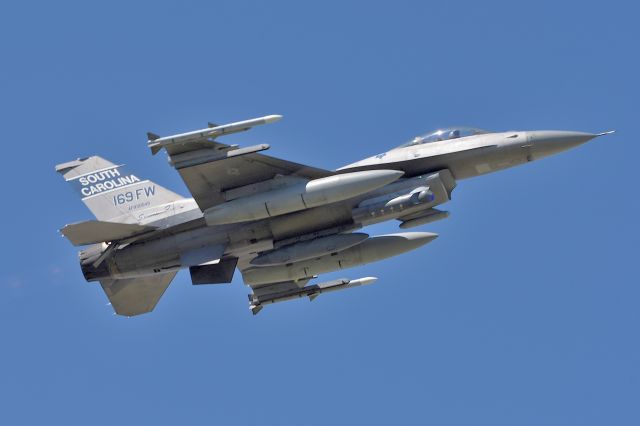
(280,223)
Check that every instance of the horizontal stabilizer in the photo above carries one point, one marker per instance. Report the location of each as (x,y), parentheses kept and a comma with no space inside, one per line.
(96,231)
(135,296)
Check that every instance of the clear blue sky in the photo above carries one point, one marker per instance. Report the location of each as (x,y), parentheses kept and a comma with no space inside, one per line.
(523,312)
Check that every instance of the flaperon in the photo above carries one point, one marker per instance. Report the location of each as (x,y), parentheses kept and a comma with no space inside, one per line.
(280,223)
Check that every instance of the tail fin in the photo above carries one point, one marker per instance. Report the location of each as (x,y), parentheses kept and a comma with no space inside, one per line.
(111,192)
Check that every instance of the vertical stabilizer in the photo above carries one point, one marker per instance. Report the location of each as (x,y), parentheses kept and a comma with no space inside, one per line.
(111,192)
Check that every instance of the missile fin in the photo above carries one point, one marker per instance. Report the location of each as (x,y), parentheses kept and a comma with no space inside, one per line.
(152,136)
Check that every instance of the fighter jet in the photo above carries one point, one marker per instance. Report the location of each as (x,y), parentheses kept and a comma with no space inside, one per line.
(280,223)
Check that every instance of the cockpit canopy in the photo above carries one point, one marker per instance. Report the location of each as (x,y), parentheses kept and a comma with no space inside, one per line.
(444,134)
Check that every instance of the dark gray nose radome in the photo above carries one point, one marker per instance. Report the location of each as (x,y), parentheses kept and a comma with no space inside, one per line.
(550,142)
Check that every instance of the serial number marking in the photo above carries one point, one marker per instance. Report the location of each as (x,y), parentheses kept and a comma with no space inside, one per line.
(139,206)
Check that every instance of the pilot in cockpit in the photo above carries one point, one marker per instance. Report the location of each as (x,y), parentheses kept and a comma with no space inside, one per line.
(454,134)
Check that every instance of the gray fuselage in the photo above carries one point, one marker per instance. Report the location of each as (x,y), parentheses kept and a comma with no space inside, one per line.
(185,239)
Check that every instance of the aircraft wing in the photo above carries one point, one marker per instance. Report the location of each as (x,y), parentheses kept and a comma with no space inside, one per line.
(208,181)
(209,168)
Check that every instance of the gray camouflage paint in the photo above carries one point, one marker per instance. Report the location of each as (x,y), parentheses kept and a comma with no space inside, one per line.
(181,237)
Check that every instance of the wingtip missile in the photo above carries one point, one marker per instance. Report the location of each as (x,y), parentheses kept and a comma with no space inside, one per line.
(156,143)
(364,281)
(341,285)
(608,132)
(256,303)
(272,118)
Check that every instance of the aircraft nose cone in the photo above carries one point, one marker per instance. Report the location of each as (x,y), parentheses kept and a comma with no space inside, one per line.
(550,142)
